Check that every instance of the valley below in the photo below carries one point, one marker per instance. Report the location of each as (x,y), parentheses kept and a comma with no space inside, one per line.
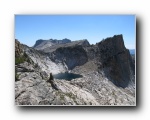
(98,75)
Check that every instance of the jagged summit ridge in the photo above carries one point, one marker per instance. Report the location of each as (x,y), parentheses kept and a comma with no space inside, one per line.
(52,44)
(41,44)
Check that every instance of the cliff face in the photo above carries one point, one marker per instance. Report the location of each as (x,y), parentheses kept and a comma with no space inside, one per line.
(111,56)
(116,60)
(70,56)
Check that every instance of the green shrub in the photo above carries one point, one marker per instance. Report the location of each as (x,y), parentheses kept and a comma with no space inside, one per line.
(22,59)
(19,60)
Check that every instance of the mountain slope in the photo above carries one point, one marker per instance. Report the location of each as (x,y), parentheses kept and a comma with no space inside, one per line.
(107,70)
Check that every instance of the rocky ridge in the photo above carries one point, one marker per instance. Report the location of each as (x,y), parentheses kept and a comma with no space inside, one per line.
(51,45)
(107,69)
(42,44)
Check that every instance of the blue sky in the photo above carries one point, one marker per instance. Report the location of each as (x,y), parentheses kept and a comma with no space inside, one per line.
(29,28)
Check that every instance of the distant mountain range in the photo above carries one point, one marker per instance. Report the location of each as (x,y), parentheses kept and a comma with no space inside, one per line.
(132,51)
(52,44)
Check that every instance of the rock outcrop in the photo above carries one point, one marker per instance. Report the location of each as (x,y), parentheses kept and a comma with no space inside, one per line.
(93,89)
(51,45)
(111,56)
(42,44)
(116,60)
(44,61)
(70,56)
(107,69)
(18,49)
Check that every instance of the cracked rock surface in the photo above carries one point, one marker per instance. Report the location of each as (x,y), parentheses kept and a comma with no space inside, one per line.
(92,89)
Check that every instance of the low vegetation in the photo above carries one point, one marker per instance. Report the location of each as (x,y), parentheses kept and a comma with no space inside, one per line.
(21,59)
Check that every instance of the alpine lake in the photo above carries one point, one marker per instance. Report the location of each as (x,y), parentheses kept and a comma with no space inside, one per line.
(67,76)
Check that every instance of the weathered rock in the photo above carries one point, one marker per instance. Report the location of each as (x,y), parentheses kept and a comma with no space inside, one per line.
(70,56)
(51,45)
(116,60)
(44,75)
(107,69)
(18,49)
(96,90)
(44,61)
(24,67)
(43,44)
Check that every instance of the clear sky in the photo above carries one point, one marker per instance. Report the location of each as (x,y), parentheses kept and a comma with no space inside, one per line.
(29,28)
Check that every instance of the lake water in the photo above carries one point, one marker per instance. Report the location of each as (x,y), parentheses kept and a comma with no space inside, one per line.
(67,76)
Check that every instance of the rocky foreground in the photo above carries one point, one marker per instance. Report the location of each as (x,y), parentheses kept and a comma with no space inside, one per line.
(108,77)
(93,89)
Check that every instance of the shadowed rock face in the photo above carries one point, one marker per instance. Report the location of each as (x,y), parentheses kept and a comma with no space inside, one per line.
(71,56)
(116,60)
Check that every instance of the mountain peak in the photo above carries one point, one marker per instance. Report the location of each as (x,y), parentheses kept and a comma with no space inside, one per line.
(51,44)
(42,44)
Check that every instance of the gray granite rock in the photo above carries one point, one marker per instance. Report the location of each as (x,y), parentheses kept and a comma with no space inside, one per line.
(107,70)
